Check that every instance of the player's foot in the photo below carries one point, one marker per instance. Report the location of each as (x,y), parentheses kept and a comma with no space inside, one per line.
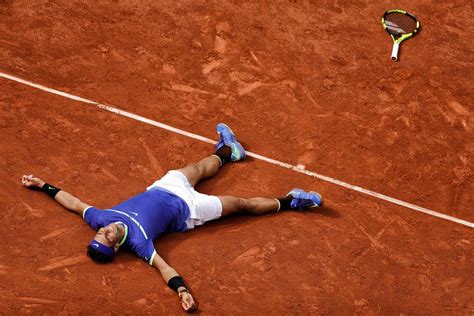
(227,138)
(303,200)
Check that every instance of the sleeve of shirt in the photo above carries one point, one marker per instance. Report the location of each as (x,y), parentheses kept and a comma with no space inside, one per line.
(91,215)
(145,250)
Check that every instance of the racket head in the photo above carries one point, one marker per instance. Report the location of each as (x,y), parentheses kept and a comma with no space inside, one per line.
(400,24)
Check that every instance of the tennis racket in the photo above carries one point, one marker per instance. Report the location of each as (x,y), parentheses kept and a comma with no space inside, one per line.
(401,25)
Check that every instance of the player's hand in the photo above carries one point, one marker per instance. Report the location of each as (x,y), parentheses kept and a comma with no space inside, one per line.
(187,302)
(32,182)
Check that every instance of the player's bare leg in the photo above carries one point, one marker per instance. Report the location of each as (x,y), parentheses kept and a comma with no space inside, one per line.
(254,206)
(203,169)
(227,149)
(296,199)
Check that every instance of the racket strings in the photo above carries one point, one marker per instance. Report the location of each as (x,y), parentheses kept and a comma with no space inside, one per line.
(399,24)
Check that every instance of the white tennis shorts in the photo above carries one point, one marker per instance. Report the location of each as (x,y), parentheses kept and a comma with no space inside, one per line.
(202,207)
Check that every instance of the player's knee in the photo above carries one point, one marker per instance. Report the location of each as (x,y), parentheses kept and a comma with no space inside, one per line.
(234,205)
(197,168)
(243,204)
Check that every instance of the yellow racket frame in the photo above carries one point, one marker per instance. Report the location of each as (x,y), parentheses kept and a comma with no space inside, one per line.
(397,41)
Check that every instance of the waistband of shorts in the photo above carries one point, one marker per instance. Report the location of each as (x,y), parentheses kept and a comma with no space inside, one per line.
(164,190)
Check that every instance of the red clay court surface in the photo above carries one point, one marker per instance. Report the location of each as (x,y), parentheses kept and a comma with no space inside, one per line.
(301,82)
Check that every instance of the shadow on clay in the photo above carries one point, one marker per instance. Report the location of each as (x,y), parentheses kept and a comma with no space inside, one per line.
(325,211)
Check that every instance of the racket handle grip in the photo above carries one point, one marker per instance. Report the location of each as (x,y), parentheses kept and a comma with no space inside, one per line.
(395,48)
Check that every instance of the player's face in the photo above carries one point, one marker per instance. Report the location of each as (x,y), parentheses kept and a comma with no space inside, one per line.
(108,235)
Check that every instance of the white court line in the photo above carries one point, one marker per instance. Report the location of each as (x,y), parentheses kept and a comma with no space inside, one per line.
(257,156)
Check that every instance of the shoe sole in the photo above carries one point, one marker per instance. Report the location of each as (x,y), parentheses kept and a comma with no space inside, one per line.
(321,201)
(221,127)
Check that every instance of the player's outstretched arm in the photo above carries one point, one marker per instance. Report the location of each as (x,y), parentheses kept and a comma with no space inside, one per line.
(174,281)
(64,198)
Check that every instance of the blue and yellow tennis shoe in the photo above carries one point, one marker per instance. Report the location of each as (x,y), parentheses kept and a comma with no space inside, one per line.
(303,200)
(227,138)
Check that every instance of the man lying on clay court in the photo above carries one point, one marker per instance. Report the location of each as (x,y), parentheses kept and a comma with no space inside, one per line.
(170,204)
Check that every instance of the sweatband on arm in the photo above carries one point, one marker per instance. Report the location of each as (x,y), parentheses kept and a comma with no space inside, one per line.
(50,190)
(176,282)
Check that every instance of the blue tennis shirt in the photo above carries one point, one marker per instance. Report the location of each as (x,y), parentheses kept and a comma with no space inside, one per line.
(146,216)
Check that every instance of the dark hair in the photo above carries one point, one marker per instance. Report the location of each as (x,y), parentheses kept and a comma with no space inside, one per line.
(98,256)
